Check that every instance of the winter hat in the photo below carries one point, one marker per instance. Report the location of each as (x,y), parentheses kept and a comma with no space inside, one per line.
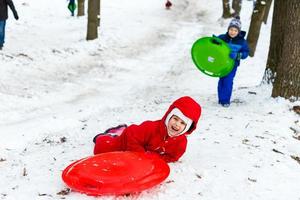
(236,22)
(179,114)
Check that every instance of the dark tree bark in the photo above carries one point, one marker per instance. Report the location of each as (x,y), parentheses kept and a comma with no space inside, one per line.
(267,10)
(80,10)
(92,27)
(287,80)
(98,11)
(254,29)
(236,6)
(276,43)
(226,9)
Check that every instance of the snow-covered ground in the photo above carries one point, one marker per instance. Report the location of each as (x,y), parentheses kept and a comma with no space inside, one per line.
(57,91)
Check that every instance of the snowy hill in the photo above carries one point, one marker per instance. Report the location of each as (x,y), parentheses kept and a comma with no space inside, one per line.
(57,91)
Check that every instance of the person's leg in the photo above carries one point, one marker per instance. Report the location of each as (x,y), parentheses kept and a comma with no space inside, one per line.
(72,4)
(114,131)
(110,140)
(220,90)
(2,32)
(225,87)
(107,143)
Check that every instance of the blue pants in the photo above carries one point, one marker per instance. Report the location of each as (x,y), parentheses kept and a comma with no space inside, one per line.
(225,87)
(2,32)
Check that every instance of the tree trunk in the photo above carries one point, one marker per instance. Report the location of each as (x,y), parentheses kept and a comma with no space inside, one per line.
(254,29)
(226,9)
(236,6)
(98,11)
(267,10)
(92,27)
(276,43)
(287,80)
(80,10)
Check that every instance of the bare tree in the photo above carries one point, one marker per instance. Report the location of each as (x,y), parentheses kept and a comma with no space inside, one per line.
(92,27)
(276,42)
(236,6)
(287,82)
(267,10)
(98,11)
(80,10)
(226,9)
(254,29)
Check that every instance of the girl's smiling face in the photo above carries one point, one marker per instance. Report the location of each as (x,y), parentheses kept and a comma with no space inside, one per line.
(175,126)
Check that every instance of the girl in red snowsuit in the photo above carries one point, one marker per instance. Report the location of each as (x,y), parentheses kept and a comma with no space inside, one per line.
(165,137)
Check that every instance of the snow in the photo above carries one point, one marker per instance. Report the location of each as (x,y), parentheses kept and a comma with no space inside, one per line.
(57,91)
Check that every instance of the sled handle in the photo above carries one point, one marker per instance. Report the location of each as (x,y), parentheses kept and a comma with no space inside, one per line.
(215,41)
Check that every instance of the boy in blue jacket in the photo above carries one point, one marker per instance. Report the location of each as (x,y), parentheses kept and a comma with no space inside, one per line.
(239,50)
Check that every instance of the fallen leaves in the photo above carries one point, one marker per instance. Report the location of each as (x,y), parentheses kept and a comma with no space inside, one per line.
(252,180)
(296,109)
(25,172)
(297,158)
(276,151)
(64,192)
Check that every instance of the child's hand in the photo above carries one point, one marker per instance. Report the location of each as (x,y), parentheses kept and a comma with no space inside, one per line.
(233,55)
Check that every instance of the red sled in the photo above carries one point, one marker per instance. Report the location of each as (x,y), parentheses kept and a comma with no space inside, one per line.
(116,173)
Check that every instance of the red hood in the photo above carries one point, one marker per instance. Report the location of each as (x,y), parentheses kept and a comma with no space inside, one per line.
(189,107)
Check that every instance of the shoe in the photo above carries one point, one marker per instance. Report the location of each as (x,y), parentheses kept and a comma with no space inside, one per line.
(112,132)
(95,138)
(226,105)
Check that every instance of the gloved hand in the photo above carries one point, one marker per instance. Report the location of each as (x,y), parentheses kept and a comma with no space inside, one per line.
(16,15)
(235,55)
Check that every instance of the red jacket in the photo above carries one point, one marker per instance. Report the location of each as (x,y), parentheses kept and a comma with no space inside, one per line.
(152,136)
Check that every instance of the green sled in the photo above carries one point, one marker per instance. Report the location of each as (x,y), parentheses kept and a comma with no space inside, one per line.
(211,56)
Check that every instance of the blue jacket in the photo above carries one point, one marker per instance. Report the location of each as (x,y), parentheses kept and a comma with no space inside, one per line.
(237,45)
